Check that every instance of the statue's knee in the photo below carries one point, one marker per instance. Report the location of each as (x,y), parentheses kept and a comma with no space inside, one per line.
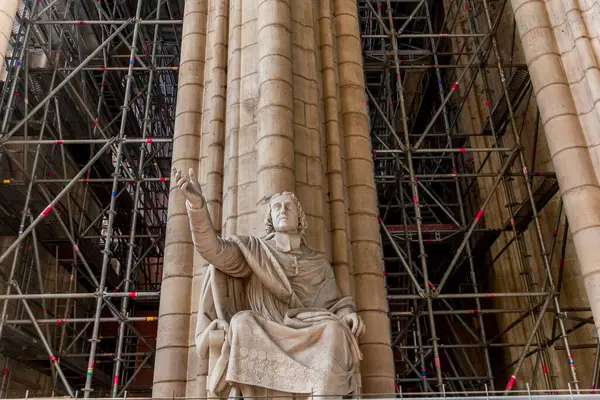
(335,328)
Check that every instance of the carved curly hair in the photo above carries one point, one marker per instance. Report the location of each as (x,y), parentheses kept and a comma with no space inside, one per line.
(302,223)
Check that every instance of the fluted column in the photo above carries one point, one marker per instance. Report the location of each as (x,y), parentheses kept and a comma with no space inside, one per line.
(170,366)
(210,167)
(230,169)
(569,131)
(309,140)
(8,11)
(377,367)
(275,137)
(335,153)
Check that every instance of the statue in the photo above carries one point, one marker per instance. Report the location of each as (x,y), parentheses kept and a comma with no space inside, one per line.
(287,326)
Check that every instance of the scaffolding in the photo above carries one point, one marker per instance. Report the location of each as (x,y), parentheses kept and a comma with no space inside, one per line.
(86,139)
(87,115)
(424,62)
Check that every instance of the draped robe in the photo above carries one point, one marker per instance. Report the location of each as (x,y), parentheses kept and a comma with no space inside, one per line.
(284,311)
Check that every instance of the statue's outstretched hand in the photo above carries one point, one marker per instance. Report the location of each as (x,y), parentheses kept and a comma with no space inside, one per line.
(190,187)
(222,325)
(355,323)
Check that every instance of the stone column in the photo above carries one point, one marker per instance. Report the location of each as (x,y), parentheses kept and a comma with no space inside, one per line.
(8,11)
(211,165)
(170,366)
(230,169)
(275,139)
(377,368)
(552,61)
(283,131)
(336,164)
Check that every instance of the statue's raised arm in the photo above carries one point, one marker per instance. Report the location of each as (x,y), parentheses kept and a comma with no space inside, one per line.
(223,254)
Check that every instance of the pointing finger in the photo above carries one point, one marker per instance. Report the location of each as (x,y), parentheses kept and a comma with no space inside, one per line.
(192,175)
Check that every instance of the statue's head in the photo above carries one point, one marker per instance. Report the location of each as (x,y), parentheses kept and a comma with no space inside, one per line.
(285,214)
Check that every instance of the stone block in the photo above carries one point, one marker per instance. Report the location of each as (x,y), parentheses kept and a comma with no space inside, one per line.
(348,51)
(311,199)
(275,120)
(299,114)
(247,139)
(337,209)
(300,87)
(192,96)
(360,173)
(274,40)
(312,116)
(191,72)
(247,168)
(193,46)
(273,13)
(178,230)
(377,324)
(339,241)
(247,204)
(369,292)
(272,181)
(249,11)
(275,151)
(316,234)
(276,67)
(173,366)
(301,168)
(366,254)
(251,224)
(275,93)
(249,86)
(556,139)
(173,331)
(315,171)
(231,145)
(334,159)
(186,147)
(314,92)
(352,74)
(364,199)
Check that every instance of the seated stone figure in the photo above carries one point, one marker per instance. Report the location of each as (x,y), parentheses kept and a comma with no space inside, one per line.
(288,327)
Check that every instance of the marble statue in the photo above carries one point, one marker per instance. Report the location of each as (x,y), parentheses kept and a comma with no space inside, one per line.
(287,326)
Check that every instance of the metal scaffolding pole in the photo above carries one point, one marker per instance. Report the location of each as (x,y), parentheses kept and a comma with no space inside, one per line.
(437,55)
(82,74)
(112,212)
(63,109)
(136,200)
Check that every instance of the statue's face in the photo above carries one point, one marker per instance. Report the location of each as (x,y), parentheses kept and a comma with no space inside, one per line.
(284,214)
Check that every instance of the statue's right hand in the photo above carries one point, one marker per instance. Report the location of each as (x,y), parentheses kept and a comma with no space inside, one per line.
(190,187)
(222,325)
